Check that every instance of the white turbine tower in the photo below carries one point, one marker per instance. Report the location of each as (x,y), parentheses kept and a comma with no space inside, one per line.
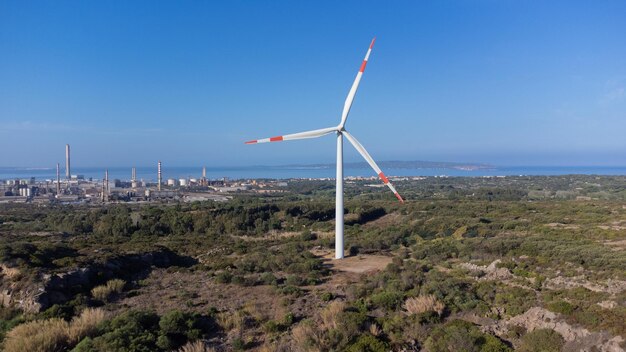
(340,130)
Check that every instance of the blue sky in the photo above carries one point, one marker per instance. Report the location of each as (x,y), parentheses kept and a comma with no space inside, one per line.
(132,82)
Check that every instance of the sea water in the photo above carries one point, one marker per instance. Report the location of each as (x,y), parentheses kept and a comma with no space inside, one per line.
(301,171)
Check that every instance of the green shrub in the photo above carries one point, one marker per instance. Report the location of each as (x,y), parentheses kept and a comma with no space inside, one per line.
(224,277)
(132,330)
(271,326)
(294,280)
(288,319)
(387,300)
(268,279)
(544,340)
(239,344)
(307,235)
(368,343)
(326,296)
(459,335)
(9,318)
(562,307)
(291,290)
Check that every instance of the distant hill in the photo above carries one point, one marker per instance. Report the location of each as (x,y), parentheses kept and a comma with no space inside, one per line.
(395,164)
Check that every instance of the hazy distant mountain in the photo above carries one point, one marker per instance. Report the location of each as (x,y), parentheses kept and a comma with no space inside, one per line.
(417,164)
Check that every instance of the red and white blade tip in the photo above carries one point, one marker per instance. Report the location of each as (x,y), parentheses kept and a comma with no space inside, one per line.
(271,139)
(399,197)
(372,43)
(386,181)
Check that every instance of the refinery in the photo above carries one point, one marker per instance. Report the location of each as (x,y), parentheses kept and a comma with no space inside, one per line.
(76,188)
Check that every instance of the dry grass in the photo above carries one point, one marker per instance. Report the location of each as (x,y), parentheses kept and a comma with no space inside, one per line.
(423,303)
(13,274)
(196,346)
(374,329)
(330,315)
(38,335)
(85,324)
(255,310)
(53,334)
(304,338)
(231,321)
(104,292)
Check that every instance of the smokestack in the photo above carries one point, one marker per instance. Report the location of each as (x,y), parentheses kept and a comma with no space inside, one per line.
(133,175)
(159,176)
(204,172)
(67,162)
(58,180)
(105,186)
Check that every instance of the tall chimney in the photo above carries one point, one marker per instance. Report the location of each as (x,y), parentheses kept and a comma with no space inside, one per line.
(159,176)
(105,186)
(58,181)
(133,174)
(204,172)
(67,162)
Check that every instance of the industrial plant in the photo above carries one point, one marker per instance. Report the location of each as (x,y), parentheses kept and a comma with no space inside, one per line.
(76,188)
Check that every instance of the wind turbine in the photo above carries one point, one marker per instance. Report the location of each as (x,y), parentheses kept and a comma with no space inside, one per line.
(340,130)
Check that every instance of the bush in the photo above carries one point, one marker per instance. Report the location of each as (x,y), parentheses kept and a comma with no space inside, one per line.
(268,279)
(562,307)
(330,315)
(459,335)
(9,318)
(53,334)
(38,335)
(545,340)
(307,235)
(105,292)
(368,343)
(387,299)
(423,303)
(326,296)
(86,324)
(132,330)
(271,326)
(224,277)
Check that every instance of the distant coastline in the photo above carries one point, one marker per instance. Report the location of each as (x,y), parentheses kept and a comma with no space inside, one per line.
(391,168)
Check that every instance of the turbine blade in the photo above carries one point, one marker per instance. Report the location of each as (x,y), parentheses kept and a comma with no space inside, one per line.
(300,135)
(355,86)
(372,163)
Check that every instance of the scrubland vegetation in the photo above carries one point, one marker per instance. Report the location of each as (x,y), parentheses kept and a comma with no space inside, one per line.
(485,264)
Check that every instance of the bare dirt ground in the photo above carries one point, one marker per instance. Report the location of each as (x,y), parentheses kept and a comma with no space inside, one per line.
(618,225)
(165,290)
(347,271)
(618,245)
(563,226)
(353,264)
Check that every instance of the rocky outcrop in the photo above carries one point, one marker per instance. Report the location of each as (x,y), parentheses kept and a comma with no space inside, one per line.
(576,338)
(490,272)
(608,286)
(42,290)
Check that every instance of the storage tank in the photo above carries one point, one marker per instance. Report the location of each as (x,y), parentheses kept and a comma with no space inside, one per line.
(171,182)
(183,182)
